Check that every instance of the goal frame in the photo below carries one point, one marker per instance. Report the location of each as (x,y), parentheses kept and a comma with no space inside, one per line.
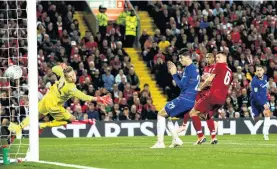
(33,154)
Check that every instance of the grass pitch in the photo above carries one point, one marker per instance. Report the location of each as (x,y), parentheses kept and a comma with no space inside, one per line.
(232,152)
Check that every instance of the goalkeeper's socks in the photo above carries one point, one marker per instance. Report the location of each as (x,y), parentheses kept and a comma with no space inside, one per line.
(25,122)
(53,123)
(89,121)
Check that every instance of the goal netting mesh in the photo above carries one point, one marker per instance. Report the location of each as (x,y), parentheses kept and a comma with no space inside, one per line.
(14,105)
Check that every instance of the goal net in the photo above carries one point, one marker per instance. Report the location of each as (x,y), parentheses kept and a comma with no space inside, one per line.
(16,94)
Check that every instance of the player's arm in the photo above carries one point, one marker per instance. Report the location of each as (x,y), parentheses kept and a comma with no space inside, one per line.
(84,97)
(58,70)
(210,78)
(207,82)
(183,82)
(255,90)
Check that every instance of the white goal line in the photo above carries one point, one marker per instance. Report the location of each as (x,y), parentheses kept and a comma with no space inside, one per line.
(67,165)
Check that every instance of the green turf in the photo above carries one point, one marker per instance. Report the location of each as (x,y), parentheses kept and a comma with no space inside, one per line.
(233,152)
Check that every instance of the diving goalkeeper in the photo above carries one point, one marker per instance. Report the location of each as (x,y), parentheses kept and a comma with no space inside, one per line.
(52,102)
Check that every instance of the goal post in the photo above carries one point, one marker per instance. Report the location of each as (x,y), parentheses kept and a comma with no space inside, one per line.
(33,154)
(18,46)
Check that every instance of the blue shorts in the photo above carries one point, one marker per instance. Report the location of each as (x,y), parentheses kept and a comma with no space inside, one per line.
(256,109)
(178,106)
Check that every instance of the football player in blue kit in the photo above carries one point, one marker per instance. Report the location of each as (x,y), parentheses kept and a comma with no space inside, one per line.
(188,84)
(259,100)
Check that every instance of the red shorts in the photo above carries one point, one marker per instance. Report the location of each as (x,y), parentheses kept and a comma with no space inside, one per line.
(208,103)
(201,94)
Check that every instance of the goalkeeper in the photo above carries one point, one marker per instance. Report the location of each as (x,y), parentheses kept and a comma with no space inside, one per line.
(52,102)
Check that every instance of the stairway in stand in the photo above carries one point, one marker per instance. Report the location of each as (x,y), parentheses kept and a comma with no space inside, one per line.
(146,22)
(144,74)
(82,24)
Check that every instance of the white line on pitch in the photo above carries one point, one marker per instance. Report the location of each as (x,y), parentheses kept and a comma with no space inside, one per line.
(230,143)
(67,165)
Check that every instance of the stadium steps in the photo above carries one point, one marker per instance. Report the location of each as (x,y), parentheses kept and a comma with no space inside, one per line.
(146,22)
(82,24)
(145,76)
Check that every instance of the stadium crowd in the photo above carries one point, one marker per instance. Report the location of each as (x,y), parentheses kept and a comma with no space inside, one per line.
(102,66)
(246,33)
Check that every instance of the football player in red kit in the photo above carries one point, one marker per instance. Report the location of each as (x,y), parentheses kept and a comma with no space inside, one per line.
(210,122)
(219,81)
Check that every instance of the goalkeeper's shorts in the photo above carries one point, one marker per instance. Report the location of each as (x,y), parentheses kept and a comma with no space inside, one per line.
(57,112)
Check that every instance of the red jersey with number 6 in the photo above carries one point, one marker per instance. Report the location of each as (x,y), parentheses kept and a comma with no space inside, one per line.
(221,81)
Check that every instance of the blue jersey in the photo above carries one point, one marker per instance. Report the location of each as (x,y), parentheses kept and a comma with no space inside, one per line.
(259,90)
(189,81)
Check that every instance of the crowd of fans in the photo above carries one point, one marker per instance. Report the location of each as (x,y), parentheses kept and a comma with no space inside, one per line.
(101,64)
(246,33)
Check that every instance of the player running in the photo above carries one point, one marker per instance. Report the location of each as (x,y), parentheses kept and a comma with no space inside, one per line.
(52,103)
(258,99)
(184,102)
(220,80)
(210,122)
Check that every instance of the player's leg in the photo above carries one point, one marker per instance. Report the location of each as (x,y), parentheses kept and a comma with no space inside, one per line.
(175,108)
(172,109)
(184,124)
(62,117)
(267,123)
(160,129)
(194,114)
(211,126)
(186,115)
(202,106)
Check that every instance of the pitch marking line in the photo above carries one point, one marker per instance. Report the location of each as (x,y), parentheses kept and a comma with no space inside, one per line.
(67,165)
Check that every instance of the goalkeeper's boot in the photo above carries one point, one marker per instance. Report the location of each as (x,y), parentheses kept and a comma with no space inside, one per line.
(42,126)
(176,142)
(200,140)
(158,145)
(214,141)
(14,128)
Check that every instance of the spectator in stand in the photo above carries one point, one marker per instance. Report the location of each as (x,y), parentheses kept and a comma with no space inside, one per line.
(144,36)
(120,76)
(163,44)
(92,112)
(108,79)
(133,79)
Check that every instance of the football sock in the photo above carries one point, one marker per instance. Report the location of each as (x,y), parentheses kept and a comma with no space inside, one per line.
(266,125)
(161,128)
(197,125)
(54,123)
(25,122)
(210,123)
(186,118)
(172,130)
(83,122)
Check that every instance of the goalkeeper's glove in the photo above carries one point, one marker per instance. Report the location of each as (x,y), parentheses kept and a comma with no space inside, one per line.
(106,100)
